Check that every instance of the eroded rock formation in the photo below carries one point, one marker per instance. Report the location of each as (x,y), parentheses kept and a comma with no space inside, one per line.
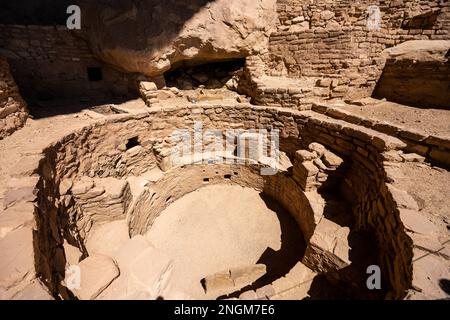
(150,37)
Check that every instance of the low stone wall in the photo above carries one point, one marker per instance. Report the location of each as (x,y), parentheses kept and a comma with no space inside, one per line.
(365,147)
(178,182)
(13,110)
(432,147)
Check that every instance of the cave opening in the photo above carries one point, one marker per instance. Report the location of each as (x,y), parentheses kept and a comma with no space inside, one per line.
(211,75)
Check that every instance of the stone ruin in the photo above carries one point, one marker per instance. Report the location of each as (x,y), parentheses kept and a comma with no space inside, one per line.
(94,207)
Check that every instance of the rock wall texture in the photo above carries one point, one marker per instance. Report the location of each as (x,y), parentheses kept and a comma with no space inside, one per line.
(325,42)
(52,62)
(13,109)
(151,36)
(69,158)
(434,147)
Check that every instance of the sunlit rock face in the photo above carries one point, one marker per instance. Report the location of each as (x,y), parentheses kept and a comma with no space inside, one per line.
(151,36)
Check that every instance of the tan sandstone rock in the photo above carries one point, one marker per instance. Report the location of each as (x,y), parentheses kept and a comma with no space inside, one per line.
(150,36)
(97,272)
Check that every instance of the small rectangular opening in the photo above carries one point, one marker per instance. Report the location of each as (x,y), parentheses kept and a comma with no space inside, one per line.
(227,176)
(205,180)
(95,74)
(132,142)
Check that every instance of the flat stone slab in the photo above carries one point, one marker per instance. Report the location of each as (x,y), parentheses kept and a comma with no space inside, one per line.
(17,257)
(34,291)
(145,273)
(15,217)
(96,274)
(106,238)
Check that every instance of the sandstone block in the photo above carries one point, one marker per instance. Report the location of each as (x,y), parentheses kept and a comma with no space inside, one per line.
(331,160)
(26,194)
(247,275)
(72,253)
(19,215)
(326,15)
(248,295)
(82,186)
(219,283)
(412,157)
(265,292)
(305,155)
(34,291)
(147,86)
(417,222)
(130,250)
(318,148)
(96,274)
(17,260)
(107,238)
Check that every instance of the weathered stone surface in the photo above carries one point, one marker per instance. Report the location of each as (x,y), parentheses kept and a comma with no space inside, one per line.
(265,292)
(82,186)
(318,148)
(219,283)
(34,291)
(331,160)
(295,285)
(247,275)
(96,273)
(72,253)
(402,198)
(123,34)
(305,155)
(326,15)
(130,250)
(107,238)
(147,86)
(417,222)
(13,109)
(328,249)
(416,73)
(145,273)
(65,186)
(17,216)
(151,271)
(17,260)
(427,278)
(26,194)
(248,295)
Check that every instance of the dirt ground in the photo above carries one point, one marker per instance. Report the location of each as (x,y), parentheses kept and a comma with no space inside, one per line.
(429,186)
(429,121)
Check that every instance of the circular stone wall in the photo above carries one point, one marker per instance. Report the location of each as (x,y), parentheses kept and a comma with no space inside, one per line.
(117,170)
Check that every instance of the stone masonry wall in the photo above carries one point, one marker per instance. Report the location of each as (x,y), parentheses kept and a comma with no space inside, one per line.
(433,147)
(13,110)
(52,62)
(329,39)
(70,158)
(416,83)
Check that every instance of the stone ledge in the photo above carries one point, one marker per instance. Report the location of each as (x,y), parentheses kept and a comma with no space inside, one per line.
(430,146)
